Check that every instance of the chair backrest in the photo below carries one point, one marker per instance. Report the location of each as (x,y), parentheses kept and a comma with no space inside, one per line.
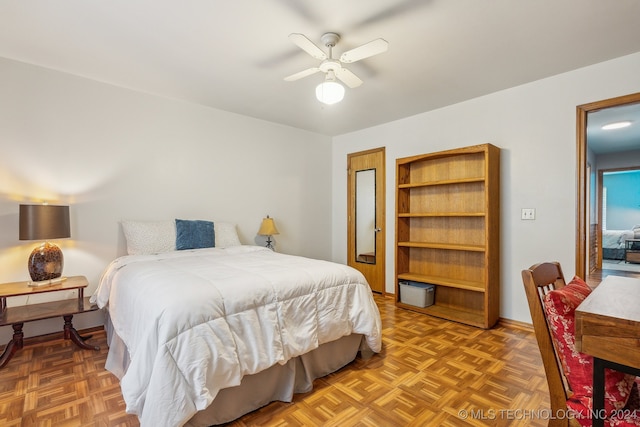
(538,280)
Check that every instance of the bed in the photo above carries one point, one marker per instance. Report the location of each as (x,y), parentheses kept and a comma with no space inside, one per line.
(202,336)
(613,242)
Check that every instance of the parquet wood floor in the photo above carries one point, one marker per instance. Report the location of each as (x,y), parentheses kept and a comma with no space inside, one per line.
(596,276)
(429,372)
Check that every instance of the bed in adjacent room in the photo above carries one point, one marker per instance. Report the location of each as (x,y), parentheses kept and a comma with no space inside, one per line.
(203,336)
(613,242)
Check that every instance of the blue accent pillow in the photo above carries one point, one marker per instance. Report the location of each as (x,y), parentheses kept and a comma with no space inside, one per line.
(194,234)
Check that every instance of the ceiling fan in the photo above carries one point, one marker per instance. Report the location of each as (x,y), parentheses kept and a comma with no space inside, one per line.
(333,67)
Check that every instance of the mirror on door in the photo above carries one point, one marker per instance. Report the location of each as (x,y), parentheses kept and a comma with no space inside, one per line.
(365,225)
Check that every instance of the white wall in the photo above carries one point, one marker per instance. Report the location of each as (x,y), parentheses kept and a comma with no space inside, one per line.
(625,159)
(535,125)
(114,154)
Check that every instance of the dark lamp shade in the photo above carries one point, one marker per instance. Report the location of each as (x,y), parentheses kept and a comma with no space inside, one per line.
(43,222)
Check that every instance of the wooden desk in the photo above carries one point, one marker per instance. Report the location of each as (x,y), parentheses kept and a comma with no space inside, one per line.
(18,316)
(608,328)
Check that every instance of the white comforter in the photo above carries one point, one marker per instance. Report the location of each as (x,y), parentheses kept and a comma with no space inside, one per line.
(197,321)
(614,239)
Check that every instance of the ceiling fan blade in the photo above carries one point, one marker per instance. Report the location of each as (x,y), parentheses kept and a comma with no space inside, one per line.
(303,10)
(348,78)
(302,74)
(374,47)
(393,12)
(307,45)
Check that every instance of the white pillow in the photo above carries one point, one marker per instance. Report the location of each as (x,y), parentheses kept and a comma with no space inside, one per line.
(152,237)
(226,234)
(149,237)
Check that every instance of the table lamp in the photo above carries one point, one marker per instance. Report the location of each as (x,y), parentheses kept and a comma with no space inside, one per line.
(43,222)
(268,228)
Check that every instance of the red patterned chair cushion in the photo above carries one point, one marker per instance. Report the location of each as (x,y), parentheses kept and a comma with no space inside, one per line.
(560,306)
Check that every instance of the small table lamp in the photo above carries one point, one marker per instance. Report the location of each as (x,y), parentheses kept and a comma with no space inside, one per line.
(268,228)
(42,222)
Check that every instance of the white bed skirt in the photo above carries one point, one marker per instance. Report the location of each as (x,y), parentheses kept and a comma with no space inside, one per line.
(278,383)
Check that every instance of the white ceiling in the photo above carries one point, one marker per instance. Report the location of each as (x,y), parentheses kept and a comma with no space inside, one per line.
(233,55)
(602,141)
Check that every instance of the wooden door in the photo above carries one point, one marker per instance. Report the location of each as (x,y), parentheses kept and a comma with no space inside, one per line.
(366,215)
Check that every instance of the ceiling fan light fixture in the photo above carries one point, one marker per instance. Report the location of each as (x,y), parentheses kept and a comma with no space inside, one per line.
(330,92)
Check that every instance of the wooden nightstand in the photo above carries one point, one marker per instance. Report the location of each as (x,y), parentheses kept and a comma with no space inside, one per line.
(632,250)
(18,316)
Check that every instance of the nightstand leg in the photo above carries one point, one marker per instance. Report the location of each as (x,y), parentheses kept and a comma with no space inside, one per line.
(70,333)
(14,345)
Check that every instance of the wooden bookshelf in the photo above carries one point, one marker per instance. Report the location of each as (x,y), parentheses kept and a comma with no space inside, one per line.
(448,231)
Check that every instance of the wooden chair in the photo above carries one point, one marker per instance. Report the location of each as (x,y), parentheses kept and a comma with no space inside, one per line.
(538,280)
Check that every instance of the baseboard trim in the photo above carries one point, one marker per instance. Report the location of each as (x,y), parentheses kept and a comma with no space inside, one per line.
(515,324)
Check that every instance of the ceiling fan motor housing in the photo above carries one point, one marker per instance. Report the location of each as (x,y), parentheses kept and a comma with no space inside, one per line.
(329,65)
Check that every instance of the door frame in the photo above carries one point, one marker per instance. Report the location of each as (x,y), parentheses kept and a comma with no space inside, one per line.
(582,181)
(380,220)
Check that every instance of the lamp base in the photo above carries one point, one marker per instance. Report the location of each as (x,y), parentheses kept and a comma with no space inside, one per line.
(45,262)
(269,243)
